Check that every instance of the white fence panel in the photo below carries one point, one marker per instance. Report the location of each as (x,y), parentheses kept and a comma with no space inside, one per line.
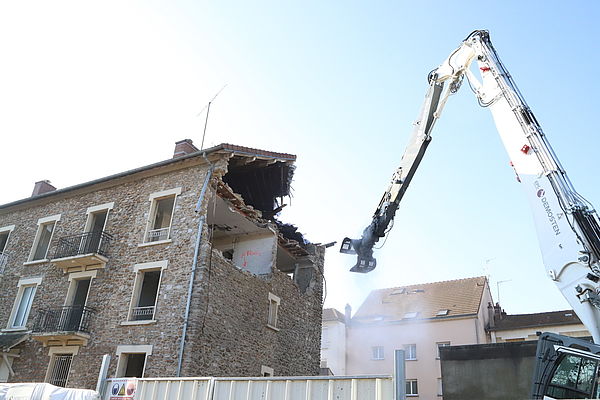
(269,388)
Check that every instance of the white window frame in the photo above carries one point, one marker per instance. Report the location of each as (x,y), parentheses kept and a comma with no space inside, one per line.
(131,349)
(273,314)
(377,353)
(73,278)
(441,344)
(139,270)
(21,285)
(154,197)
(410,393)
(53,352)
(410,352)
(440,387)
(93,210)
(410,315)
(42,222)
(9,229)
(266,371)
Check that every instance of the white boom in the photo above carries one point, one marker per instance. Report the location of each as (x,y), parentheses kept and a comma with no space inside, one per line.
(567,225)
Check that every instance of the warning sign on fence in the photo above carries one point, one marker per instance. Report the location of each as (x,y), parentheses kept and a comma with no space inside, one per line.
(122,389)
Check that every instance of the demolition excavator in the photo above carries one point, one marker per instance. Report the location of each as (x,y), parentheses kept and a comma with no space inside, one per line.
(567,225)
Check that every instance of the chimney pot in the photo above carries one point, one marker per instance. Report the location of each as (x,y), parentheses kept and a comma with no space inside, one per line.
(184,147)
(42,187)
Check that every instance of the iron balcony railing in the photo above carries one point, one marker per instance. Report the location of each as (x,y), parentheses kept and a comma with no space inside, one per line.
(84,243)
(3,261)
(64,319)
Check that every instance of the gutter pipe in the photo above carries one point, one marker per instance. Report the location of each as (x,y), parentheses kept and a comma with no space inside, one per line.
(194,264)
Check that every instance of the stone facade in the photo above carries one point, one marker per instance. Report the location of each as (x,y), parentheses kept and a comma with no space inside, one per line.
(227,332)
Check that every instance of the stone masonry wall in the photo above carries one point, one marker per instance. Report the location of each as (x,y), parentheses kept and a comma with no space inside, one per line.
(233,294)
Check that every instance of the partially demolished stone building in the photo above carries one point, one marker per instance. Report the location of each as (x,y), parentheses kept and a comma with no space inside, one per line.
(178,268)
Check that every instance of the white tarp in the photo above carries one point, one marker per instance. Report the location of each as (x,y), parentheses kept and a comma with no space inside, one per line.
(43,391)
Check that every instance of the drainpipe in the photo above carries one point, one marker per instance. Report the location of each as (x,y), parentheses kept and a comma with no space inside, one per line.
(194,264)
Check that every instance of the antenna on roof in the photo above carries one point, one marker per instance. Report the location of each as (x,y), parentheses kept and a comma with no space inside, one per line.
(207,108)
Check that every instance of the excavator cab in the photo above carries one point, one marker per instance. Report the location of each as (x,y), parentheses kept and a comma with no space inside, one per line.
(566,368)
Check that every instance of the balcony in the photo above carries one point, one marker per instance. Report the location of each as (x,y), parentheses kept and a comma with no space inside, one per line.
(82,252)
(63,326)
(3,261)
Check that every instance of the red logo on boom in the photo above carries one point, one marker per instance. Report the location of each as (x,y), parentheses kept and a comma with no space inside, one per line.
(541,193)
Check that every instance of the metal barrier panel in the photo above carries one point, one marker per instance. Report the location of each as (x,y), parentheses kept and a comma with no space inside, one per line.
(304,388)
(268,388)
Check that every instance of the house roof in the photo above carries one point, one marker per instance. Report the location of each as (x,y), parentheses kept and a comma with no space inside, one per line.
(436,300)
(331,314)
(234,150)
(538,320)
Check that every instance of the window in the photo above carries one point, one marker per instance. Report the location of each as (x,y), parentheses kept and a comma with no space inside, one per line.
(266,371)
(22,306)
(61,359)
(377,353)
(442,313)
(162,204)
(145,291)
(274,302)
(573,378)
(43,237)
(4,234)
(441,344)
(440,391)
(410,351)
(132,360)
(61,364)
(411,387)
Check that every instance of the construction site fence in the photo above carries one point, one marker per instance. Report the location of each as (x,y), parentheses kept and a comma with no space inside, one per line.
(380,387)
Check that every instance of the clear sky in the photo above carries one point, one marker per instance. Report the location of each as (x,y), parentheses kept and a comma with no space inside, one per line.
(88,89)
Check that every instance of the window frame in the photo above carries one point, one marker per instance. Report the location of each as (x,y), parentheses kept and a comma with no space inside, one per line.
(131,349)
(94,210)
(409,384)
(52,219)
(274,304)
(441,344)
(266,371)
(154,198)
(377,353)
(22,285)
(9,229)
(139,270)
(56,351)
(409,354)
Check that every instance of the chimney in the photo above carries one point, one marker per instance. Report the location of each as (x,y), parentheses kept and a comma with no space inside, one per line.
(347,314)
(42,187)
(183,147)
(491,315)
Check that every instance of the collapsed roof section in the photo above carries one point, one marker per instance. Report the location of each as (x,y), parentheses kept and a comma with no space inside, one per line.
(249,195)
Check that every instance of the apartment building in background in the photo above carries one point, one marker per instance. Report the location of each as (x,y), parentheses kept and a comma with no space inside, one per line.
(333,342)
(175,268)
(521,327)
(418,319)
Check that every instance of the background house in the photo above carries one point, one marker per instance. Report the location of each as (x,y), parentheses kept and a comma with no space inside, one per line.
(419,319)
(175,268)
(520,327)
(333,342)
